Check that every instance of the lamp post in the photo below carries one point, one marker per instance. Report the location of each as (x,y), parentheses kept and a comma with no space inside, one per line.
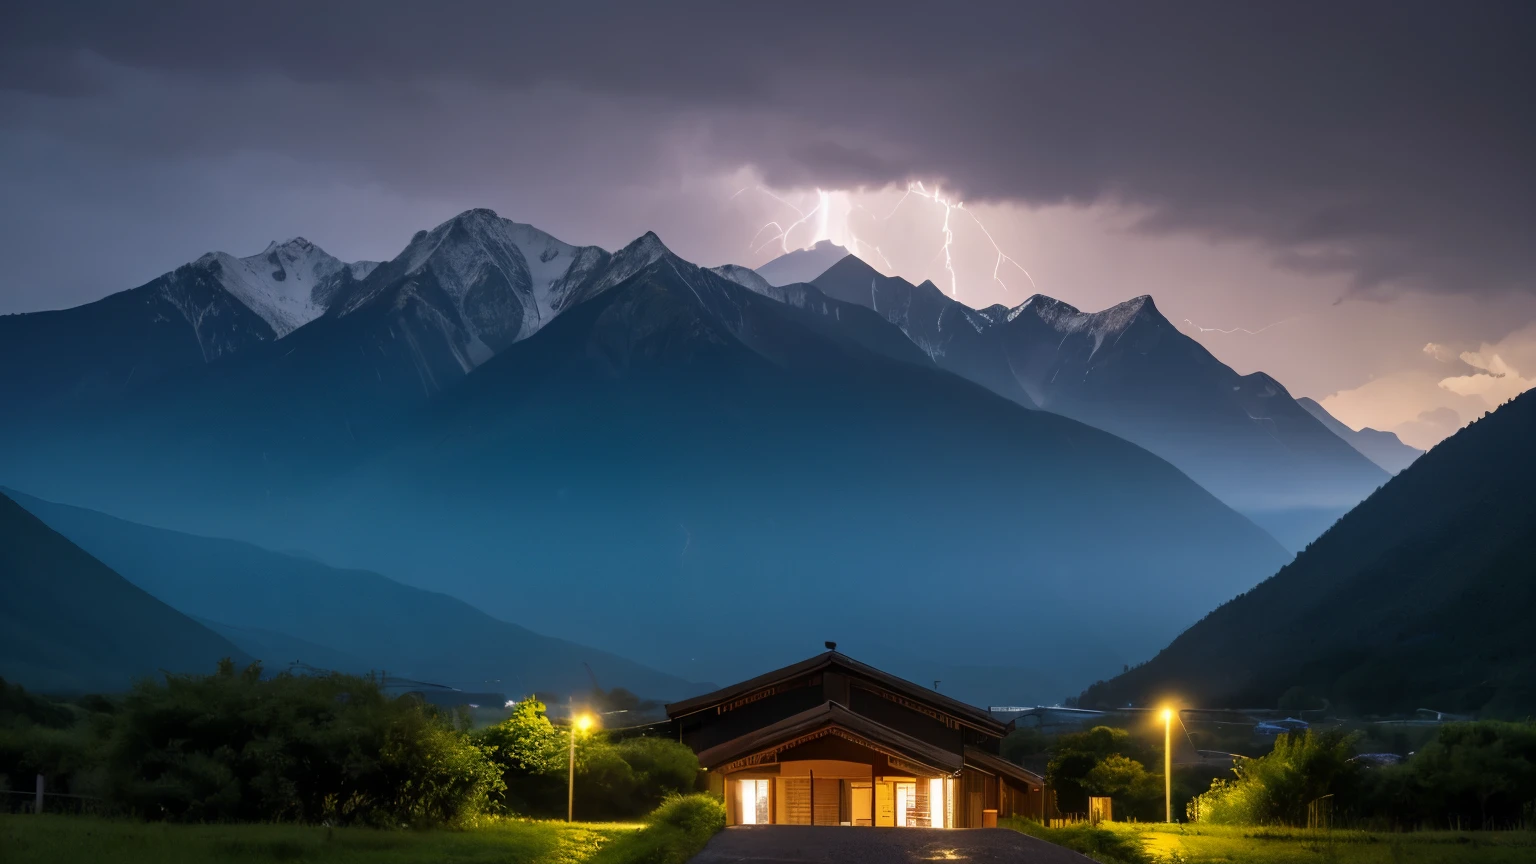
(1168,764)
(581,723)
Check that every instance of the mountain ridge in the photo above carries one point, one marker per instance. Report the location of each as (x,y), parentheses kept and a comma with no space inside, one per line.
(249,594)
(1384,448)
(1126,369)
(69,623)
(1419,597)
(669,441)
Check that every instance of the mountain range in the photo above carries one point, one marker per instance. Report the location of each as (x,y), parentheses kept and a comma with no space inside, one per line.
(1421,597)
(1129,371)
(283,609)
(69,623)
(645,455)
(1383,448)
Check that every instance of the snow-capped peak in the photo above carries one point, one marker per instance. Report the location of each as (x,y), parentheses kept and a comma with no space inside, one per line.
(745,277)
(506,280)
(641,253)
(280,282)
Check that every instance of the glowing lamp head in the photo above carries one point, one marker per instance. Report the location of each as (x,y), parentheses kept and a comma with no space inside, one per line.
(1167,715)
(584,722)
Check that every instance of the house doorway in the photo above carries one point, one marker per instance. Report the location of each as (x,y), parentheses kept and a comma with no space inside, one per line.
(754,804)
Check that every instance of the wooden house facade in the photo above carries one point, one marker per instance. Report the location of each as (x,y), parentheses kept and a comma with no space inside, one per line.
(832,741)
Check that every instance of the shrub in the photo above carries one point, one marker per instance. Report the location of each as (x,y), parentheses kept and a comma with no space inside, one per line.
(531,755)
(1470,775)
(1276,788)
(20,708)
(613,781)
(674,832)
(1100,844)
(234,747)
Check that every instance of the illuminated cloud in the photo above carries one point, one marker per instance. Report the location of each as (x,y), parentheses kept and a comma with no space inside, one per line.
(1424,406)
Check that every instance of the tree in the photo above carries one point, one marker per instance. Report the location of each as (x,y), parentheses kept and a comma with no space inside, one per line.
(1135,791)
(1075,757)
(531,754)
(1473,774)
(235,746)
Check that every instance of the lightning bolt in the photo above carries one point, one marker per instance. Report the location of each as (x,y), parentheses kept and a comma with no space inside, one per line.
(1001,257)
(779,232)
(782,232)
(937,196)
(949,234)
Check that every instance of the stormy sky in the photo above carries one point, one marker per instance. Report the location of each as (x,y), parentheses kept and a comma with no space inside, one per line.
(1347,188)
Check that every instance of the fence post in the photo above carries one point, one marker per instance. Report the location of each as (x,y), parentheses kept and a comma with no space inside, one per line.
(37,804)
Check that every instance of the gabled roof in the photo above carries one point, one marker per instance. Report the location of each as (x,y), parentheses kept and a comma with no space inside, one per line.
(830,659)
(827,715)
(998,765)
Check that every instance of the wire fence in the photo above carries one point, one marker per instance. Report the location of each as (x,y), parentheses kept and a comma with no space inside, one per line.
(61,803)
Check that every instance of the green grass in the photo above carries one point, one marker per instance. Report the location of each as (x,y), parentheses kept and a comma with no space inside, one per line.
(675,832)
(73,839)
(1102,844)
(671,835)
(1121,843)
(1210,844)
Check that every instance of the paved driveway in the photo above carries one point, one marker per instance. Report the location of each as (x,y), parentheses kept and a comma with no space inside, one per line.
(805,844)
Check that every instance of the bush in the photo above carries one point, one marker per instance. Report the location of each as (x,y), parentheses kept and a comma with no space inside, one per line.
(613,781)
(531,755)
(39,736)
(674,832)
(332,748)
(20,708)
(1135,792)
(1100,844)
(1470,775)
(1102,761)
(1275,789)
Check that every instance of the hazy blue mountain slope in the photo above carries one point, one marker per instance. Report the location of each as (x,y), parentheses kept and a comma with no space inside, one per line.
(1421,597)
(1383,448)
(1129,371)
(211,308)
(69,623)
(802,265)
(1295,528)
(123,342)
(266,601)
(280,418)
(956,337)
(678,451)
(673,468)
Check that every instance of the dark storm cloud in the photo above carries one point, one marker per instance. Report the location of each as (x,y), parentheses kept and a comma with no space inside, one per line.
(1391,141)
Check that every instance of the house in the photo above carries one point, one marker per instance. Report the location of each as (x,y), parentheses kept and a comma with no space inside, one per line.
(832,741)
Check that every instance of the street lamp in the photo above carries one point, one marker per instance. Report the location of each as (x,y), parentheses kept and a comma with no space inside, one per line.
(1168,764)
(582,723)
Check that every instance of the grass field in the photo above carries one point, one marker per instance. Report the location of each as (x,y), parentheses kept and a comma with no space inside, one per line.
(672,834)
(1212,844)
(45,839)
(1121,843)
